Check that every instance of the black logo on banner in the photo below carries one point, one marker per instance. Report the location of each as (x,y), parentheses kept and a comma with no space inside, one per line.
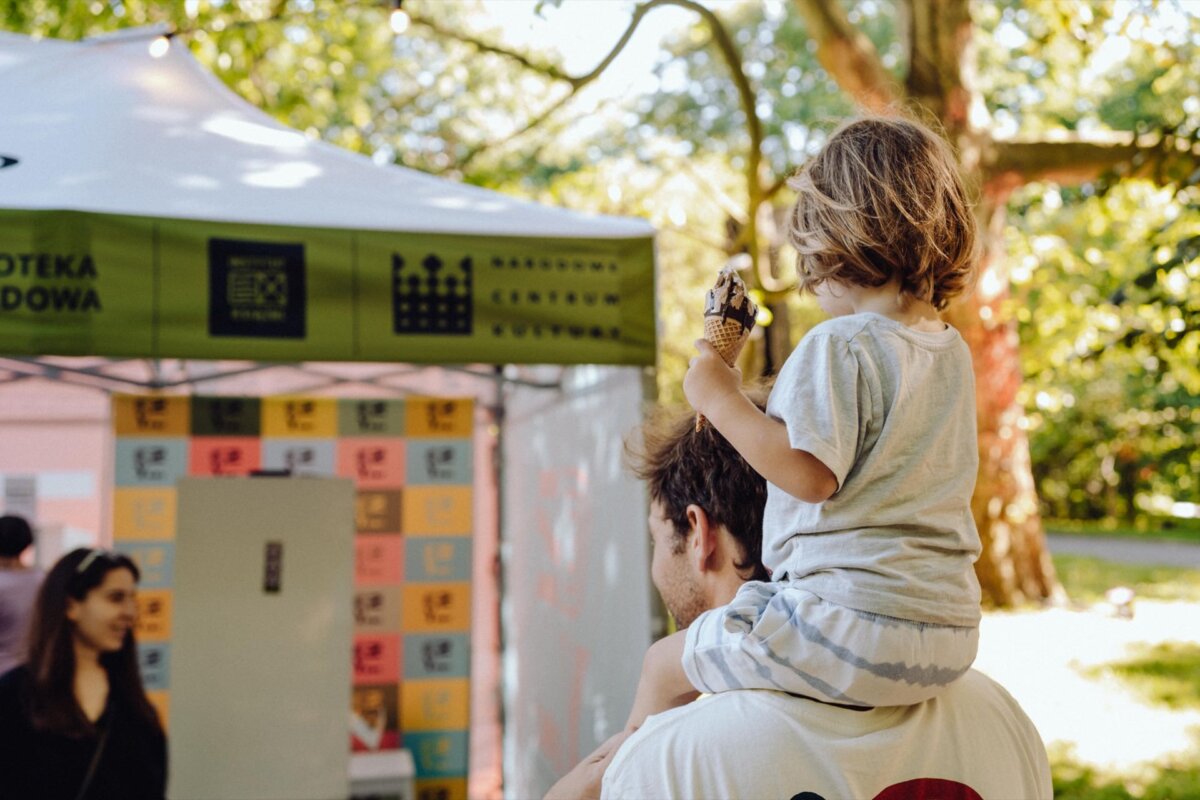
(432,297)
(8,161)
(256,289)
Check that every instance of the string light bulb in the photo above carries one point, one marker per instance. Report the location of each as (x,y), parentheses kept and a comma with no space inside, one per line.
(398,19)
(159,46)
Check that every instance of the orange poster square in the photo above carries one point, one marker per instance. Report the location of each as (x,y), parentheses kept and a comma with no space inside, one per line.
(376,659)
(378,559)
(154,615)
(440,704)
(225,455)
(439,417)
(442,789)
(436,607)
(372,463)
(437,510)
(148,415)
(144,513)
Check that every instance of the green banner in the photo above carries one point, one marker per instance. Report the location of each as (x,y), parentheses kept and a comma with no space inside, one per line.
(75,283)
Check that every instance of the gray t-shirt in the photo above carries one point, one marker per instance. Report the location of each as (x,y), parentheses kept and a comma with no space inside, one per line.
(18,589)
(891,411)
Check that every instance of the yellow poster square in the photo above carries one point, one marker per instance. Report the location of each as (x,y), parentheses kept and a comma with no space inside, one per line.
(442,789)
(439,417)
(436,607)
(161,700)
(439,704)
(299,417)
(151,415)
(154,615)
(437,511)
(143,513)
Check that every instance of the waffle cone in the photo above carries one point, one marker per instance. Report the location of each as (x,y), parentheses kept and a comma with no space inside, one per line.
(727,336)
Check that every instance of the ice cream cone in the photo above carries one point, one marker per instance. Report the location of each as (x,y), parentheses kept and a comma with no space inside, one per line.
(729,316)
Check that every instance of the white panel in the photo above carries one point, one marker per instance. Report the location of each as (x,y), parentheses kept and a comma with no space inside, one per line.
(577,602)
(260,682)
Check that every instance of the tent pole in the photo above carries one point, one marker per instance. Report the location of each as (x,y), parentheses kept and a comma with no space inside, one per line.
(501,566)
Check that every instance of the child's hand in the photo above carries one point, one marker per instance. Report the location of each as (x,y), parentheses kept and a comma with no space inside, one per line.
(709,379)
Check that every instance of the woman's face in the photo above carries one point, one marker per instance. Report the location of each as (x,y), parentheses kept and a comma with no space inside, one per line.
(106,614)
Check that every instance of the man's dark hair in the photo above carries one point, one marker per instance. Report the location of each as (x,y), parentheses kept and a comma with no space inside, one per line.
(681,466)
(15,536)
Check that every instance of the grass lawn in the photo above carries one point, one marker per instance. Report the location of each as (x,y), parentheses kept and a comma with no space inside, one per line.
(1087,579)
(1179,530)
(1165,674)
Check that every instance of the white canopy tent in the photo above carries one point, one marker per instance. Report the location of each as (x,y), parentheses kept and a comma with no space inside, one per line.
(148,213)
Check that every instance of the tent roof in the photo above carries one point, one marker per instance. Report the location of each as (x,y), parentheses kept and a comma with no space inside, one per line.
(102,126)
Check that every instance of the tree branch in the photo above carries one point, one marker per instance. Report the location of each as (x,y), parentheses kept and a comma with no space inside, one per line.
(1073,159)
(487,47)
(848,56)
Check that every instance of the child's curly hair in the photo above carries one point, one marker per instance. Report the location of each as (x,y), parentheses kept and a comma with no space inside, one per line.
(882,200)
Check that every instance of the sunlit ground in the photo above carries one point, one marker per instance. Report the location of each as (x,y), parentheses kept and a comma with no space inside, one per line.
(1117,701)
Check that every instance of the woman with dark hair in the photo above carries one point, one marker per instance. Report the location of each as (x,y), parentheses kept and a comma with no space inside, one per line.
(74,719)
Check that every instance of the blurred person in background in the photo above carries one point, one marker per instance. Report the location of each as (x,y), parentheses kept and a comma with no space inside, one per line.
(18,588)
(75,721)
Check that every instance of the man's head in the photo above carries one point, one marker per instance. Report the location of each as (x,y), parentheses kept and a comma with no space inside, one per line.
(15,536)
(706,509)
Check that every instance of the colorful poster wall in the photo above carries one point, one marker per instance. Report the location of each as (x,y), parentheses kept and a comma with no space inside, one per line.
(412,462)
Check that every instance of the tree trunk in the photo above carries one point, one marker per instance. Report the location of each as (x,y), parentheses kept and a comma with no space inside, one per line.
(1014,566)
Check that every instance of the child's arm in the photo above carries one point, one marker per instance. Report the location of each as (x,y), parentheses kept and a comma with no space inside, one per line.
(663,684)
(714,390)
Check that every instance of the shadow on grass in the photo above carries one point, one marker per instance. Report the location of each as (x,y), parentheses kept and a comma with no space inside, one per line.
(1167,673)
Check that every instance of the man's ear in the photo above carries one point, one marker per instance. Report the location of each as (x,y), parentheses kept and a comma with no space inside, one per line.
(702,539)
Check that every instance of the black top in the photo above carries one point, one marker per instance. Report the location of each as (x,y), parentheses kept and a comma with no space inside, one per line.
(36,765)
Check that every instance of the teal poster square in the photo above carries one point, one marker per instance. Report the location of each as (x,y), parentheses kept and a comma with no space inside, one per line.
(154,660)
(155,561)
(151,462)
(439,461)
(441,754)
(301,456)
(437,558)
(434,655)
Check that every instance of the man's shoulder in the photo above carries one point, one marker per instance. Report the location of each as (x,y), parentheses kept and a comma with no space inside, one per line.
(756,742)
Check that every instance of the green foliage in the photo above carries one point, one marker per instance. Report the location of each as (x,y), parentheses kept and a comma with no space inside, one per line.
(1106,277)
(1077,781)
(1111,359)
(1087,579)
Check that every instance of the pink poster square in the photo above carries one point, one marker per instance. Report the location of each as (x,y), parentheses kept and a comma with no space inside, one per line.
(224,455)
(378,559)
(372,463)
(376,659)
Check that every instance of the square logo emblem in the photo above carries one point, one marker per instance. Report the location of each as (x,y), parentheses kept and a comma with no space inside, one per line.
(256,289)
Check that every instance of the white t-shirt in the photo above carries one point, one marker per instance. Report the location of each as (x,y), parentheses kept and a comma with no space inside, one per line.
(762,744)
(891,411)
